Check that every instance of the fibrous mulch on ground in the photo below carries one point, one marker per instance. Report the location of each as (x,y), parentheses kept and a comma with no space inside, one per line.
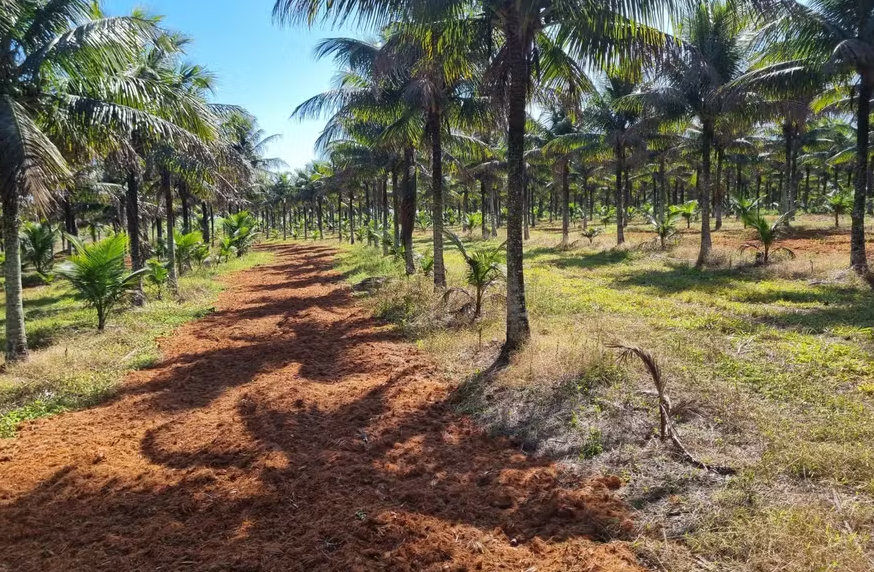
(291,431)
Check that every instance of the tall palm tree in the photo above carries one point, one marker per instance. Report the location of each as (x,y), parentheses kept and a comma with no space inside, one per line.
(623,130)
(692,82)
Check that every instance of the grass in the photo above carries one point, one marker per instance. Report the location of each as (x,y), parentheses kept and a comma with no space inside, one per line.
(773,365)
(74,366)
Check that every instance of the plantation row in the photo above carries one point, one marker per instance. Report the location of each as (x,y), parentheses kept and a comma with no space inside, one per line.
(98,270)
(578,111)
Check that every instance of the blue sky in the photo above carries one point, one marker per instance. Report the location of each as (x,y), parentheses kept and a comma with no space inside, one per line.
(265,68)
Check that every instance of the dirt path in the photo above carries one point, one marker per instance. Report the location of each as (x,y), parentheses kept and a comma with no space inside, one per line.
(290,431)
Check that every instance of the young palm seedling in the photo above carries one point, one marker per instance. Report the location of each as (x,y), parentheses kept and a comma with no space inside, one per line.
(226,249)
(687,210)
(484,268)
(743,207)
(241,228)
(426,263)
(157,274)
(187,246)
(473,221)
(591,233)
(767,236)
(37,247)
(607,214)
(98,273)
(838,203)
(665,228)
(423,221)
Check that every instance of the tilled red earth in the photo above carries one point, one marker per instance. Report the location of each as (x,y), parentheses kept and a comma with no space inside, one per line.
(291,431)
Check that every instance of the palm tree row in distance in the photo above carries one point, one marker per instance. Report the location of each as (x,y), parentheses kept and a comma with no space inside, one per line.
(102,122)
(706,106)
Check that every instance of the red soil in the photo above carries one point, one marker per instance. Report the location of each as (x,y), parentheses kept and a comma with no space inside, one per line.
(291,431)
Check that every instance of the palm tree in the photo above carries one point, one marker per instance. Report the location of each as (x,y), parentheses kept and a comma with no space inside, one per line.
(837,35)
(68,81)
(692,83)
(179,106)
(623,129)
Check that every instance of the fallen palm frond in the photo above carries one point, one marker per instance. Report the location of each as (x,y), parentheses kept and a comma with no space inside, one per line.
(666,427)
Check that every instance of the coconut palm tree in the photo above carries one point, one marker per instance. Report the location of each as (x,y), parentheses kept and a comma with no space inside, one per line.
(692,82)
(622,129)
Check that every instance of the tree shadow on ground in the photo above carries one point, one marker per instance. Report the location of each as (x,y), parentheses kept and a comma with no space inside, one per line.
(681,278)
(815,309)
(315,441)
(570,258)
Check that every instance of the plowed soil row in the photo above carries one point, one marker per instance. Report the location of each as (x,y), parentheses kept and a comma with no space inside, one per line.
(289,430)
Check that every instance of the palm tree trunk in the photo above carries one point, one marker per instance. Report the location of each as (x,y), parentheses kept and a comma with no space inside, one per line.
(858,256)
(527,207)
(518,328)
(133,232)
(464,207)
(69,220)
(566,203)
(172,281)
(493,207)
(483,208)
(408,210)
(204,225)
(704,194)
(395,206)
(620,195)
(16,336)
(384,215)
(319,215)
(351,217)
(718,194)
(434,127)
(785,189)
(340,215)
(186,211)
(796,175)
